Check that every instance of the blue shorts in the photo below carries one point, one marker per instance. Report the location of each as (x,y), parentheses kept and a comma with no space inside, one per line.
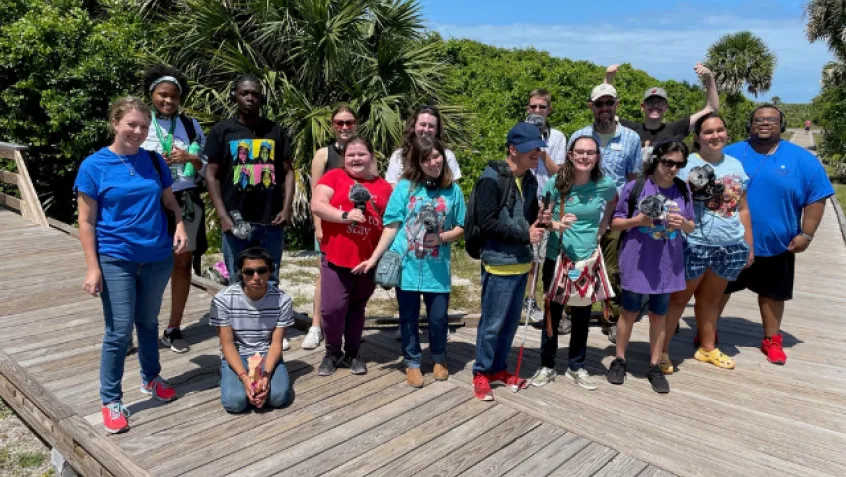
(658,302)
(726,261)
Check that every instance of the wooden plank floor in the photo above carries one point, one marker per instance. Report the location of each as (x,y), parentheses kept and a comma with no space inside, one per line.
(758,419)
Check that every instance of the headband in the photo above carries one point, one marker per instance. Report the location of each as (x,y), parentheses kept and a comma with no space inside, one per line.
(163,79)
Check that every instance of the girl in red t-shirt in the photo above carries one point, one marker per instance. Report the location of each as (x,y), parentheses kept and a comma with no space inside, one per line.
(350,203)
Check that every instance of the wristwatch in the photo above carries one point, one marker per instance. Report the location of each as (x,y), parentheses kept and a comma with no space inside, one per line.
(807,236)
(344,215)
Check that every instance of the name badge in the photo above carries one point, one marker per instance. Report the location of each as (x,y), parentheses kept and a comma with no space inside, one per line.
(616,146)
(573,274)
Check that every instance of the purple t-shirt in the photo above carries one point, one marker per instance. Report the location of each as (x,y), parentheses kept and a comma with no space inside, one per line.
(652,259)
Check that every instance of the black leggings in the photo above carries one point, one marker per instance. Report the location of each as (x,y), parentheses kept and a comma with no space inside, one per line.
(580,317)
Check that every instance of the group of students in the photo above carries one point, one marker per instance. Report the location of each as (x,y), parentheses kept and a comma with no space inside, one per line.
(617,214)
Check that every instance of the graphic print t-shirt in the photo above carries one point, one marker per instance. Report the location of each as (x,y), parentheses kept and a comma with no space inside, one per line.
(251,167)
(424,214)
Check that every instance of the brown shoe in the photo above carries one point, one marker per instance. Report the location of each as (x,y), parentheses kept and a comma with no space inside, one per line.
(414,377)
(441,372)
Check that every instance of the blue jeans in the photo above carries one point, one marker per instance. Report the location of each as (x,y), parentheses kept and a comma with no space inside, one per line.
(658,303)
(234,397)
(502,302)
(436,312)
(132,295)
(268,236)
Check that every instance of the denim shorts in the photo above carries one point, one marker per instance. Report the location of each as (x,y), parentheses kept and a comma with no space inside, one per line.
(658,302)
(726,261)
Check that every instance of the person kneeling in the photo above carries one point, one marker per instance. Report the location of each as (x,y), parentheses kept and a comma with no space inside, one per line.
(251,317)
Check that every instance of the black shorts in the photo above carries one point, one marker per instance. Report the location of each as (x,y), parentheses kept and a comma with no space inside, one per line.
(770,277)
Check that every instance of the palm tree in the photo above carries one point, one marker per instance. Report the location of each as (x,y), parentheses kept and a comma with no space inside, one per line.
(827,22)
(311,55)
(775,100)
(740,59)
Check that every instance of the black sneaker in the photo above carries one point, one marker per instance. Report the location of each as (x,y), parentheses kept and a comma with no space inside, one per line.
(175,342)
(357,365)
(328,365)
(617,371)
(658,380)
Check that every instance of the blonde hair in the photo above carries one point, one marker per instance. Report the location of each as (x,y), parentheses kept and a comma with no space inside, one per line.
(541,94)
(121,106)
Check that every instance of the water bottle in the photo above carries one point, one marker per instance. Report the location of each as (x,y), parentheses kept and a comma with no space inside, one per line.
(188,170)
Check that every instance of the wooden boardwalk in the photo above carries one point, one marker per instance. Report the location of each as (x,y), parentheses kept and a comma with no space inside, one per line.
(758,419)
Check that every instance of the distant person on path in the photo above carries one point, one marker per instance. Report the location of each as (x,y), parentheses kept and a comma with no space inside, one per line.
(721,244)
(424,216)
(654,211)
(179,139)
(655,105)
(787,191)
(622,159)
(808,127)
(552,157)
(122,193)
(350,203)
(583,202)
(251,316)
(426,120)
(506,253)
(344,124)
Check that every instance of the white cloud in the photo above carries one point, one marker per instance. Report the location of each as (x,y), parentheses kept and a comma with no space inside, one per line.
(666,48)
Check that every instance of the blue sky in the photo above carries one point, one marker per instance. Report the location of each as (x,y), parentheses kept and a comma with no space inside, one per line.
(664,38)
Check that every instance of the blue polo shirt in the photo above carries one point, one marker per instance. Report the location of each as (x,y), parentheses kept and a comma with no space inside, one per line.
(780,186)
(131,223)
(621,156)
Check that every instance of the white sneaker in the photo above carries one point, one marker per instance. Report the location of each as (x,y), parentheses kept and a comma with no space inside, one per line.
(285,344)
(543,376)
(582,378)
(313,338)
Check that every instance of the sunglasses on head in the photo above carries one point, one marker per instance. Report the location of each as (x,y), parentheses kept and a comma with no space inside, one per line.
(670,164)
(340,124)
(248,272)
(607,102)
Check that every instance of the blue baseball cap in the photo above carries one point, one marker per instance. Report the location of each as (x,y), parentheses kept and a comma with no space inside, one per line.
(525,137)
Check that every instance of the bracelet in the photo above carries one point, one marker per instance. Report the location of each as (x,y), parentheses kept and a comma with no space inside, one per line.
(242,374)
(807,236)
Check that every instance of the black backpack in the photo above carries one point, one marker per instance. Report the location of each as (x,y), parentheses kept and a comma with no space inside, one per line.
(473,239)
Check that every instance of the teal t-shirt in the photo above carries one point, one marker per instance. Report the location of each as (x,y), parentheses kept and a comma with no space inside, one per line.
(587,202)
(423,214)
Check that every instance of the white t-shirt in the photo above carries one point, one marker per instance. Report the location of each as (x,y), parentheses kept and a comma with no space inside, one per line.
(557,150)
(394,172)
(180,140)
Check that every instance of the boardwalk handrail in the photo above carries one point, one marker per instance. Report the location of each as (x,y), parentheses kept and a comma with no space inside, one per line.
(28,205)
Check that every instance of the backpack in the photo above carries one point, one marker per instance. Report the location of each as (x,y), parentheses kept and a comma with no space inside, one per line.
(473,239)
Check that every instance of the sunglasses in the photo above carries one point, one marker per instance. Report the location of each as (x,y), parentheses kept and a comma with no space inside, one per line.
(248,272)
(541,107)
(602,104)
(671,164)
(344,124)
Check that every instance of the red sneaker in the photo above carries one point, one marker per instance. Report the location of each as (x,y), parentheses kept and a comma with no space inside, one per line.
(509,379)
(115,417)
(159,389)
(482,387)
(772,347)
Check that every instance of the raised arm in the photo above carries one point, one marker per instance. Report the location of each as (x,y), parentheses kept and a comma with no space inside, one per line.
(610,73)
(712,96)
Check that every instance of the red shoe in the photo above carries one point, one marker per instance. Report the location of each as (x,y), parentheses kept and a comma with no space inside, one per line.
(115,417)
(772,347)
(509,379)
(482,387)
(159,389)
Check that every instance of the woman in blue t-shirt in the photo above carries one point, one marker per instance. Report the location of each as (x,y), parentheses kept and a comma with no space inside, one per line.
(121,190)
(720,245)
(424,214)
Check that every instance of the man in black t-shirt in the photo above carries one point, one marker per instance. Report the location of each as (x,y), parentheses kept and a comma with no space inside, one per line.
(250,178)
(655,105)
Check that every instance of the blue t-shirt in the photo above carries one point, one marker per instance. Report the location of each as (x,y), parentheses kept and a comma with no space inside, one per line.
(131,223)
(423,214)
(587,202)
(780,186)
(717,222)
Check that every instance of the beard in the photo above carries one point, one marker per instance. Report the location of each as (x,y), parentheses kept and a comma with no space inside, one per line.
(605,123)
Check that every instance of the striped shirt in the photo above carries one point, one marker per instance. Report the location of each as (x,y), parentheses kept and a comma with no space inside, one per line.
(252,322)
(620,157)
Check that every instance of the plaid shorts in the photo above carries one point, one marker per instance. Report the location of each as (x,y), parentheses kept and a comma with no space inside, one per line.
(726,261)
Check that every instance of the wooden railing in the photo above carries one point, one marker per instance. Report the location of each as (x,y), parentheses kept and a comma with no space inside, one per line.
(28,205)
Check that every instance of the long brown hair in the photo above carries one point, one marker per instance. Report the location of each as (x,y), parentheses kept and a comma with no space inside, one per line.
(566,176)
(408,135)
(421,149)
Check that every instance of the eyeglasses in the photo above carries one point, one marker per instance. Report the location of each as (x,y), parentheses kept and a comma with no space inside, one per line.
(344,124)
(671,164)
(771,120)
(248,272)
(541,107)
(584,153)
(606,103)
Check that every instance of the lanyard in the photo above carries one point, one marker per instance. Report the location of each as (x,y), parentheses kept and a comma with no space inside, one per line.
(167,142)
